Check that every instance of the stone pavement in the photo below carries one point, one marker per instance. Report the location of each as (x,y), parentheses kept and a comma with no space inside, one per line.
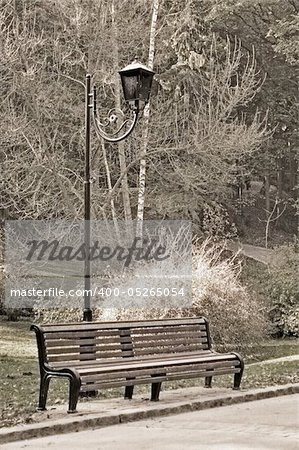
(261,254)
(101,413)
(275,360)
(259,425)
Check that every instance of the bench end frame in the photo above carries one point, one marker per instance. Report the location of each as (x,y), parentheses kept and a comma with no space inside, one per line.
(47,372)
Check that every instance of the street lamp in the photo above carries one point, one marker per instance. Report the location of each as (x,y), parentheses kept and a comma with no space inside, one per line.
(136,80)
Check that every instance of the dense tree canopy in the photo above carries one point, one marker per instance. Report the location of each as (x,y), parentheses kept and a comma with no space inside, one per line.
(223,104)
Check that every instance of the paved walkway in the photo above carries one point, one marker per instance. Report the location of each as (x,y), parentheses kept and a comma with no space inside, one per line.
(275,360)
(259,425)
(261,254)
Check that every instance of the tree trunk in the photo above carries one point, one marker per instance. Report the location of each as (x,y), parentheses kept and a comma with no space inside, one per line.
(267,193)
(121,146)
(268,212)
(108,175)
(280,176)
(144,144)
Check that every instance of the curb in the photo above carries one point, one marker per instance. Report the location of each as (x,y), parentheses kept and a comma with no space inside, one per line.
(69,425)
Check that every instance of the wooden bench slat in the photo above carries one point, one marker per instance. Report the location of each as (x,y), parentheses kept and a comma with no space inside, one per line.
(97,348)
(109,384)
(132,359)
(168,335)
(84,348)
(167,329)
(167,340)
(68,358)
(79,334)
(176,360)
(86,341)
(177,348)
(169,370)
(119,325)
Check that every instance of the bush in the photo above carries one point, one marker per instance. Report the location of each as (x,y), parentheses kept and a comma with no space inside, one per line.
(282,289)
(234,317)
(217,223)
(57,315)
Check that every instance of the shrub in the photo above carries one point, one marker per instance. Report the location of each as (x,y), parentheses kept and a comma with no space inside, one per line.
(235,318)
(282,289)
(57,315)
(217,223)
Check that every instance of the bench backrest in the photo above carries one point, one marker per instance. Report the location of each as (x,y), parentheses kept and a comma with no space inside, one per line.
(71,344)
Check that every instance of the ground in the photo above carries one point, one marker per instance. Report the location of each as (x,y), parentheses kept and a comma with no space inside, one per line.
(259,425)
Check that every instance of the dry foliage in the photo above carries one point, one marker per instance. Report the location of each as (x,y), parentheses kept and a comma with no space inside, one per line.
(235,317)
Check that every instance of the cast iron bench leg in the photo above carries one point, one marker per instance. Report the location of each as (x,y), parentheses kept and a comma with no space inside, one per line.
(156,388)
(237,380)
(208,382)
(238,376)
(43,392)
(75,384)
(129,391)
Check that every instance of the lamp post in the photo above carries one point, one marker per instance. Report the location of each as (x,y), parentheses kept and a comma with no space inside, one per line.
(136,80)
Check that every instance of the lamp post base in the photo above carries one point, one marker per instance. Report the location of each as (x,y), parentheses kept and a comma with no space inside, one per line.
(87,315)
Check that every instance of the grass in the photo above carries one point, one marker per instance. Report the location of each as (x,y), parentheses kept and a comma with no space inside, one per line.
(18,389)
(256,376)
(19,385)
(253,276)
(268,349)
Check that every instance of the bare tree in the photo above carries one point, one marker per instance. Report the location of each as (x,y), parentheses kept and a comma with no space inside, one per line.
(271,218)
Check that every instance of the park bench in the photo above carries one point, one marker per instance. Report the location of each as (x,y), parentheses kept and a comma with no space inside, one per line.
(98,355)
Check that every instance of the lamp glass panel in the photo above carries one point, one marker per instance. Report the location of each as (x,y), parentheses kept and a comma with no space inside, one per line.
(145,89)
(130,87)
